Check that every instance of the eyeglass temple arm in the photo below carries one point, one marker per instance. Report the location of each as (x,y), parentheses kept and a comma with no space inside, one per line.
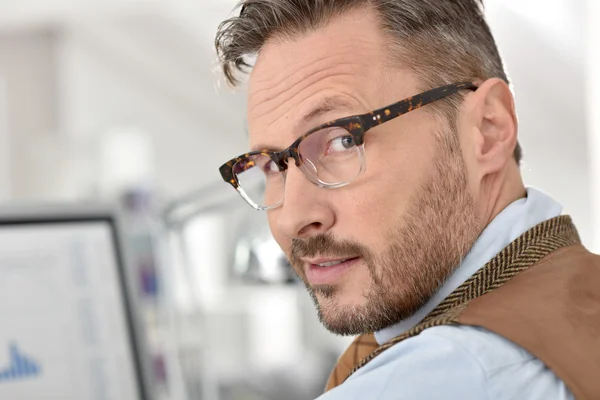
(409,104)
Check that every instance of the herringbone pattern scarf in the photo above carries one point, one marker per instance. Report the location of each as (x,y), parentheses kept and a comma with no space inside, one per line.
(519,255)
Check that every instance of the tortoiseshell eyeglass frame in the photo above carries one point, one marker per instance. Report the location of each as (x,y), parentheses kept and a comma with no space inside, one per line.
(356,125)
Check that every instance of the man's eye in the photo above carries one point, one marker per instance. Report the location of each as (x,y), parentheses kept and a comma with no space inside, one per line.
(340,144)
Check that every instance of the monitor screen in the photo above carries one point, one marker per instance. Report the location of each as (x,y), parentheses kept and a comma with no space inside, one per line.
(66,329)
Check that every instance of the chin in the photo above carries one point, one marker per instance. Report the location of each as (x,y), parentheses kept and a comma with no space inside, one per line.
(342,315)
(335,297)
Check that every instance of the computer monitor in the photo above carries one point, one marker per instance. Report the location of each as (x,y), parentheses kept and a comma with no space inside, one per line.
(67,325)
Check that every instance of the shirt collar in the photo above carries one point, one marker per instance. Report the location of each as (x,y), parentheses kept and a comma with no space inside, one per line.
(512,222)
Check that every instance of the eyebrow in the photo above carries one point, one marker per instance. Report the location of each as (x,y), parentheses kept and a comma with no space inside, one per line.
(326,105)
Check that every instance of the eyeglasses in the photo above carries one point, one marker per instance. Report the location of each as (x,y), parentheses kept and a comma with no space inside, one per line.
(330,155)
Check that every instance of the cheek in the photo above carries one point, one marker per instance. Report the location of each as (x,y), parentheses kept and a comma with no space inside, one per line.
(367,215)
(396,172)
(472,168)
(388,187)
(399,159)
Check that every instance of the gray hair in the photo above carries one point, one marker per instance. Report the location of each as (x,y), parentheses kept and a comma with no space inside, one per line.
(441,41)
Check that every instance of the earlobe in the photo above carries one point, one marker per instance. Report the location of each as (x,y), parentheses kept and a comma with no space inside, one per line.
(497,126)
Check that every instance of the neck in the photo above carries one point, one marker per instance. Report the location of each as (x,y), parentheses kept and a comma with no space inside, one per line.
(528,210)
(499,190)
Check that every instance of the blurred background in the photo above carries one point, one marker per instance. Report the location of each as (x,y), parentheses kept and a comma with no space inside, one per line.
(121,102)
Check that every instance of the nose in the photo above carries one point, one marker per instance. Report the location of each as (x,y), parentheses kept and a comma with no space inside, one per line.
(305,211)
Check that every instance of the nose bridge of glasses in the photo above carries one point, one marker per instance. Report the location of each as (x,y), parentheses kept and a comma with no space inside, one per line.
(281,158)
(305,165)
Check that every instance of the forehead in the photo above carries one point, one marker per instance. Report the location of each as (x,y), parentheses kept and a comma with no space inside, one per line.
(344,61)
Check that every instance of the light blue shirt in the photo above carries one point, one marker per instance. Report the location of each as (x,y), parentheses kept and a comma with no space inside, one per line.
(461,362)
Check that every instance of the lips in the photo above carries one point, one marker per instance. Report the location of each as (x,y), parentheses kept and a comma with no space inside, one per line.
(331,263)
(328,271)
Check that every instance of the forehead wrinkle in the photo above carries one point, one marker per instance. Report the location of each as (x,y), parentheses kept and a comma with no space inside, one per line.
(283,75)
(328,105)
(342,55)
(295,51)
(267,121)
(290,94)
(349,39)
(280,95)
(325,106)
(300,126)
(286,77)
(267,94)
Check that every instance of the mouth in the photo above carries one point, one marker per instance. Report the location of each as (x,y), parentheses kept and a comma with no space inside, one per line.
(327,271)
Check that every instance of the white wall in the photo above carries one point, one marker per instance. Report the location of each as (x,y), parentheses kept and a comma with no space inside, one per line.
(593,107)
(27,67)
(5,184)
(168,92)
(65,89)
(542,44)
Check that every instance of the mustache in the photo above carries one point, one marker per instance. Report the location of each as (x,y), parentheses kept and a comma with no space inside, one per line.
(325,245)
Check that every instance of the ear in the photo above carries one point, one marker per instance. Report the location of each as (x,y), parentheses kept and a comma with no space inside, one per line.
(494,120)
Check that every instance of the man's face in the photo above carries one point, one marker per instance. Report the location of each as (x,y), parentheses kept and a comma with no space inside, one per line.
(370,253)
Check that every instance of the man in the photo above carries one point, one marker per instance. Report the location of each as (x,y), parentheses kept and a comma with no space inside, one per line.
(384,150)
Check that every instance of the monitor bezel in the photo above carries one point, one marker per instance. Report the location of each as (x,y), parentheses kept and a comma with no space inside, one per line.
(55,214)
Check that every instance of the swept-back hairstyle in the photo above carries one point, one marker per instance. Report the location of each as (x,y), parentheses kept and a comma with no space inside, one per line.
(440,41)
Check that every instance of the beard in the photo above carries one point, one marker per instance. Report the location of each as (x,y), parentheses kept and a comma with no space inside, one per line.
(425,247)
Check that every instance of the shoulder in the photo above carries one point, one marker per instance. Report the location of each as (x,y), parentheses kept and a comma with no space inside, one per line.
(453,362)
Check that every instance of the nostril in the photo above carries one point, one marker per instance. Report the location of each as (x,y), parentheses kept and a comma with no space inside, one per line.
(310,229)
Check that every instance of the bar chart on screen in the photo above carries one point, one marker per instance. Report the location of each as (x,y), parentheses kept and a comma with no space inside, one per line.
(63,335)
(20,366)
(35,350)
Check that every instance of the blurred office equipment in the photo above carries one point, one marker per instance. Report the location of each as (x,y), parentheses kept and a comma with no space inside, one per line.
(69,329)
(256,255)
(247,329)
